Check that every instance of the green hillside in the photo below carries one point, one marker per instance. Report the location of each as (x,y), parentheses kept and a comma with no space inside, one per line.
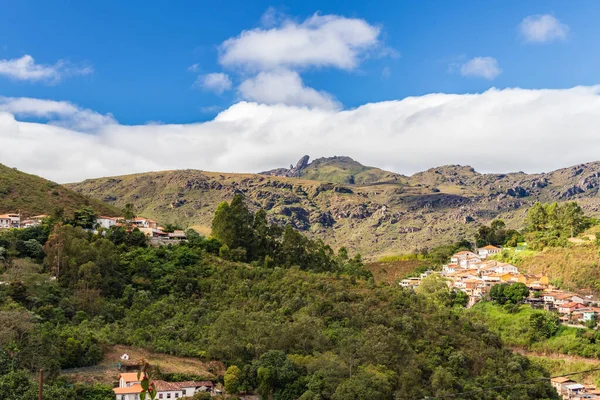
(32,195)
(345,170)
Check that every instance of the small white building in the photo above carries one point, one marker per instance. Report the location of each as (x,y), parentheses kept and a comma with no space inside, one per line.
(488,250)
(8,221)
(107,222)
(506,269)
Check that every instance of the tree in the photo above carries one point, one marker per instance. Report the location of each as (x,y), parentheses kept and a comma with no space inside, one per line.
(85,217)
(232,224)
(232,379)
(512,293)
(544,324)
(537,218)
(370,383)
(129,212)
(516,292)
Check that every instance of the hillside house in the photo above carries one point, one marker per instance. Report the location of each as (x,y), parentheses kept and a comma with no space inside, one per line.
(108,222)
(464,258)
(8,221)
(130,388)
(450,268)
(142,222)
(487,251)
(410,282)
(568,308)
(557,383)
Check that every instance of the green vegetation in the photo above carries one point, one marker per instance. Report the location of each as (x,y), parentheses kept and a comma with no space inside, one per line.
(553,224)
(300,322)
(496,234)
(536,330)
(345,170)
(509,293)
(32,195)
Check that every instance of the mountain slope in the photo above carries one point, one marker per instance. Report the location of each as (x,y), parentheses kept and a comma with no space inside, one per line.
(32,195)
(427,209)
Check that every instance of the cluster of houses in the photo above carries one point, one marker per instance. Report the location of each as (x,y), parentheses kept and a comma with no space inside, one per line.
(130,387)
(475,274)
(569,389)
(572,308)
(10,221)
(148,226)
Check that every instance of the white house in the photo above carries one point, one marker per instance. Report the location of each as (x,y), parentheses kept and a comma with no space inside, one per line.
(462,256)
(130,388)
(10,221)
(107,222)
(488,250)
(450,268)
(410,282)
(507,269)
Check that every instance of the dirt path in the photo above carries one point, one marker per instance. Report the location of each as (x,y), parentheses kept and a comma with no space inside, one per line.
(106,372)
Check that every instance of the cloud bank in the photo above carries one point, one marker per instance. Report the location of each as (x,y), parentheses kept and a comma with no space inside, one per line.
(498,130)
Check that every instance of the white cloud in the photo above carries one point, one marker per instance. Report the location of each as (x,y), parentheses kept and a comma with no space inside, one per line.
(542,29)
(528,130)
(284,87)
(61,113)
(321,40)
(217,82)
(484,67)
(25,69)
(194,67)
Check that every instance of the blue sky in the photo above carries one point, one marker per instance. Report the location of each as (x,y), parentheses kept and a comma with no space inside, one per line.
(90,88)
(140,51)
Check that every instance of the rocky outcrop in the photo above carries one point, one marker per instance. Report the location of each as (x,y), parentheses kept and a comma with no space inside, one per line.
(292,172)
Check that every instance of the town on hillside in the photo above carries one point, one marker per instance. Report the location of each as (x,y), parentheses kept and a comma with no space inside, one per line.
(156,234)
(475,274)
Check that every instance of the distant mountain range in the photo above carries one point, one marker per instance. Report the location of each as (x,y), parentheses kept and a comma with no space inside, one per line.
(348,204)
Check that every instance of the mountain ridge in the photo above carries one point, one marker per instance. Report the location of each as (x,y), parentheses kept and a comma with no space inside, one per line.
(429,208)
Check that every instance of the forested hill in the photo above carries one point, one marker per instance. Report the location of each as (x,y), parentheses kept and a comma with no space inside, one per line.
(295,320)
(32,195)
(391,214)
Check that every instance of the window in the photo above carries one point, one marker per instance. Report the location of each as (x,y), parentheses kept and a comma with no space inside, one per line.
(168,395)
(160,395)
(176,395)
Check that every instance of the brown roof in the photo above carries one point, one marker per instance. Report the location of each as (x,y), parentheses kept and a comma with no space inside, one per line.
(194,384)
(137,388)
(560,379)
(164,386)
(571,305)
(490,247)
(132,376)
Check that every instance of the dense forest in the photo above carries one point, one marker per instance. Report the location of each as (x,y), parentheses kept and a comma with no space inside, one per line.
(290,317)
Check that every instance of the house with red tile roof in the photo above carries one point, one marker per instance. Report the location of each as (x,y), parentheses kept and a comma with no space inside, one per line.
(130,387)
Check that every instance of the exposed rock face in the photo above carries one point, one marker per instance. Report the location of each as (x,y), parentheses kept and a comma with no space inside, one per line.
(392,213)
(292,172)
